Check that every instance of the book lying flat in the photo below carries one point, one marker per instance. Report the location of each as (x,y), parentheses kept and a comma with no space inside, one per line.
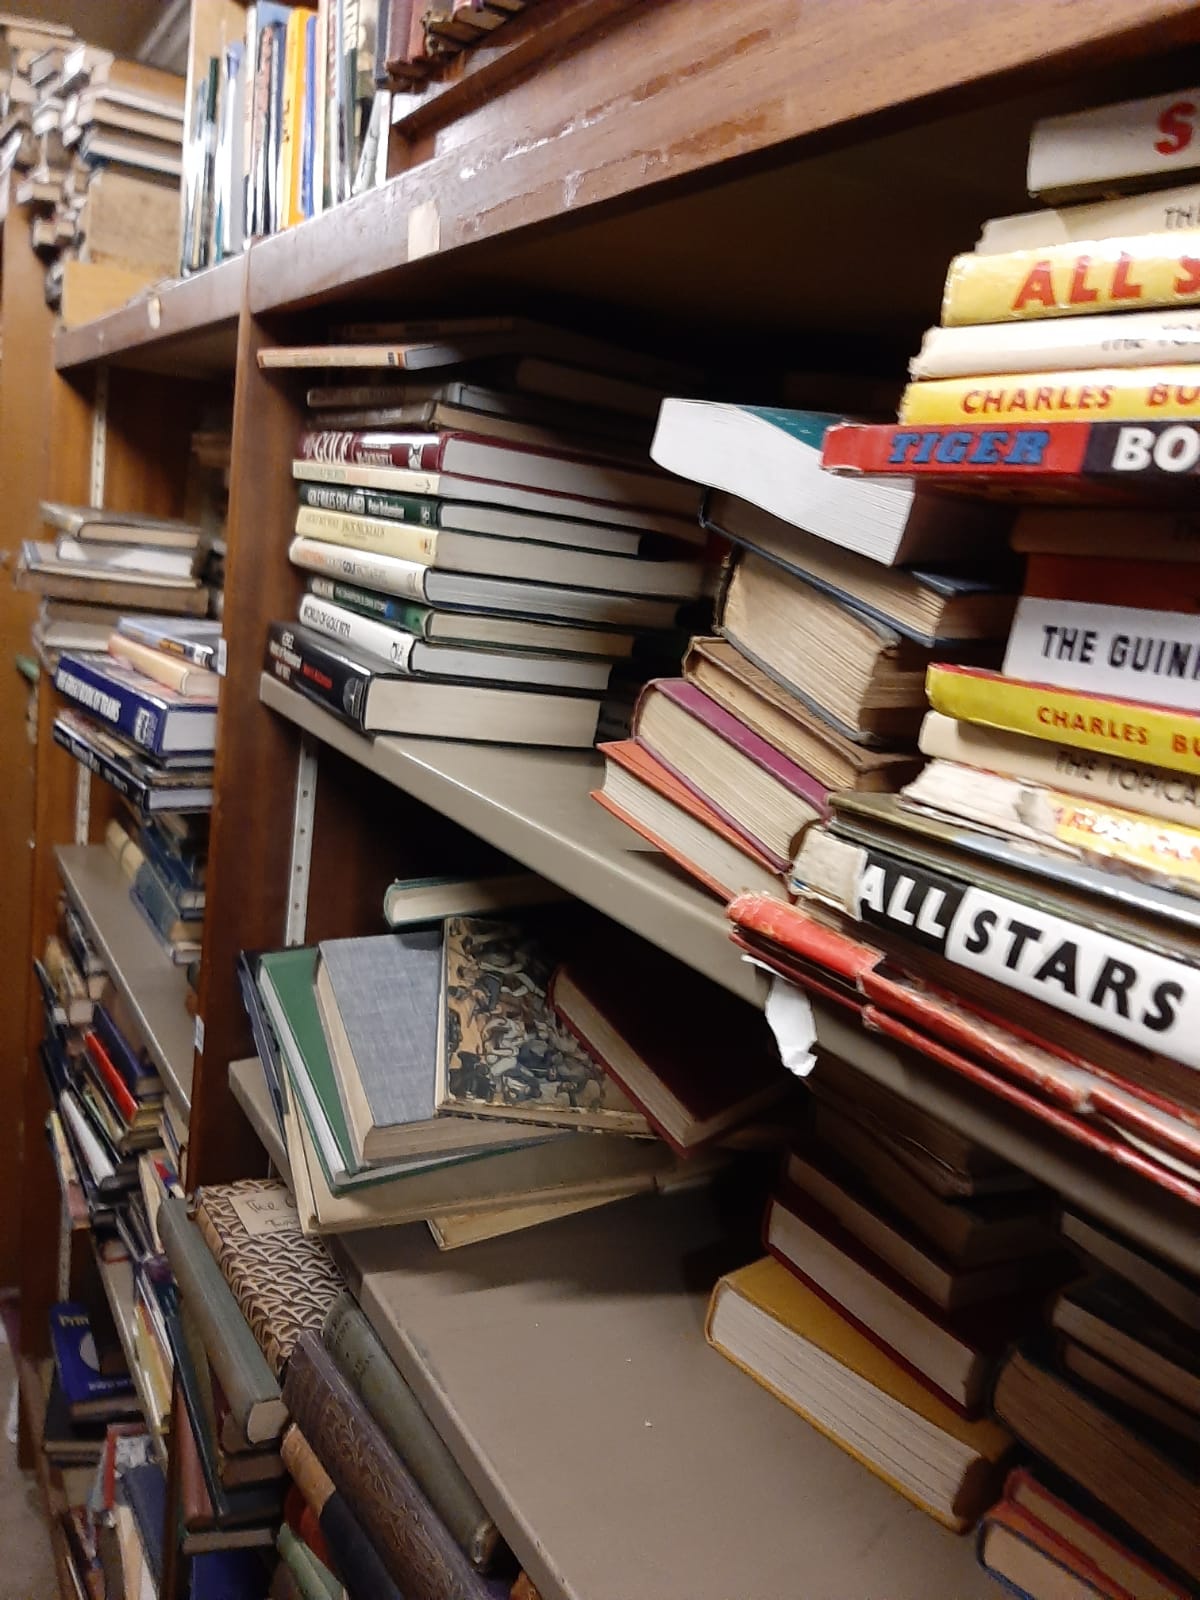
(40,570)
(154,717)
(120,527)
(1109,1317)
(1161,1284)
(788,1339)
(119,762)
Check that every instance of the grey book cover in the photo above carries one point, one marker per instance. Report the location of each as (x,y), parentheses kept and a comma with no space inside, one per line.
(388,991)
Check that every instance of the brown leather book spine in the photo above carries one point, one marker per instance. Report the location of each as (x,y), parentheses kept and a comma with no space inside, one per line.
(413,1544)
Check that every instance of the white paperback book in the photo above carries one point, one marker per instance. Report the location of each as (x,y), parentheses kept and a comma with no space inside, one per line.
(1151,140)
(1060,344)
(1147,656)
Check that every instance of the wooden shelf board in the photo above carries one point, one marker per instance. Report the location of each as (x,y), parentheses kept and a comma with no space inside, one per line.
(619,1454)
(117,1278)
(249,1085)
(185,325)
(153,985)
(535,805)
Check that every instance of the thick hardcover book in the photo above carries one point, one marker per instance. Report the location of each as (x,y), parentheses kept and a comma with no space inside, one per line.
(1149,1484)
(236,1358)
(1159,269)
(360,1356)
(846,1386)
(121,765)
(140,1075)
(282,1281)
(357,1561)
(414,1544)
(152,716)
(1138,144)
(1114,1321)
(1104,723)
(1021,455)
(1125,339)
(1105,394)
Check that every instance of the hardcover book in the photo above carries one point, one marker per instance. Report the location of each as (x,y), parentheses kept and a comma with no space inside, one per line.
(152,716)
(357,1561)
(91,1395)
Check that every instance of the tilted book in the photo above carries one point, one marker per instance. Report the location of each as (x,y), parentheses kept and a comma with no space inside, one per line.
(413,1542)
(1138,144)
(1104,723)
(1102,394)
(1158,269)
(283,1281)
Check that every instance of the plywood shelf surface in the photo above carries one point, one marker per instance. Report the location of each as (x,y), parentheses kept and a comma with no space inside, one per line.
(535,805)
(182,325)
(154,987)
(619,1455)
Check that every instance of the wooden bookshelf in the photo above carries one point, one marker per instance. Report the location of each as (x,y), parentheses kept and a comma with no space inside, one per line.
(187,326)
(154,987)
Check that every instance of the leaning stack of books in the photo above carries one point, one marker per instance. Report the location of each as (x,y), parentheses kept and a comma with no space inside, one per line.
(486,549)
(835,600)
(1108,1400)
(448,1072)
(904,1260)
(31,51)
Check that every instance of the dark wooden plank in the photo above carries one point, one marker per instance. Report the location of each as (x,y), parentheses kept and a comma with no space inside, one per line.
(675,90)
(185,325)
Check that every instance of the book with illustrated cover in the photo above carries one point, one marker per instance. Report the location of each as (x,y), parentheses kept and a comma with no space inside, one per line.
(91,1394)
(503,1052)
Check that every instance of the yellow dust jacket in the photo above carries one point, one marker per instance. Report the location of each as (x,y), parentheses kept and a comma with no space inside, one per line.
(1114,727)
(1107,394)
(1157,269)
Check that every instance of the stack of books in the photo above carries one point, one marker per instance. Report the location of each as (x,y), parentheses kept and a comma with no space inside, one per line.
(488,547)
(416,39)
(90,1386)
(166,862)
(904,1260)
(815,682)
(1108,1399)
(450,1072)
(286,120)
(99,143)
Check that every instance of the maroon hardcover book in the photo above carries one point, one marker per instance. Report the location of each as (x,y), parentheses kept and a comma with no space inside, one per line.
(697,704)
(668,1037)
(954,1354)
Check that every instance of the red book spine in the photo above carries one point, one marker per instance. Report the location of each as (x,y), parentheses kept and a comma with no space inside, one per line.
(126,1105)
(412,453)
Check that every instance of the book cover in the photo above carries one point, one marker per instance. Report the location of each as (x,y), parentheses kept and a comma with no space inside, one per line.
(1103,723)
(503,1052)
(77,1361)
(1105,394)
(1122,217)
(152,716)
(356,1348)
(1124,339)
(282,1281)
(414,1544)
(1139,144)
(1085,458)
(1064,280)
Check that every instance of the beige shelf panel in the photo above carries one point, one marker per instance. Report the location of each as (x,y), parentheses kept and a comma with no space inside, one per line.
(249,1085)
(154,987)
(535,805)
(567,1371)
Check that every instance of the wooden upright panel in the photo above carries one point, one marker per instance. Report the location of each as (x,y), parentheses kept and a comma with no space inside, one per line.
(249,845)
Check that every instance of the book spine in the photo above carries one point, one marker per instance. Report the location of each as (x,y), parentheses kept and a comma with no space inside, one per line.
(416,1548)
(366,1365)
(360,633)
(1117,781)
(170,670)
(139,794)
(174,871)
(1128,339)
(1103,148)
(158,902)
(1106,650)
(401,614)
(371,450)
(402,541)
(389,478)
(359,502)
(1112,727)
(289,117)
(298,658)
(353,1553)
(1145,394)
(135,715)
(200,655)
(1164,211)
(125,1103)
(309,114)
(1159,269)
(240,1367)
(1147,998)
(403,578)
(274,218)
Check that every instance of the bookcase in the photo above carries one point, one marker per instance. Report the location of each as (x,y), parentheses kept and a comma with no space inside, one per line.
(774,183)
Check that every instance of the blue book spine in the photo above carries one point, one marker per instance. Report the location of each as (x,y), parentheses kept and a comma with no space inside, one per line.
(138,1074)
(145,1488)
(308,147)
(76,1359)
(228,1575)
(135,791)
(173,871)
(137,714)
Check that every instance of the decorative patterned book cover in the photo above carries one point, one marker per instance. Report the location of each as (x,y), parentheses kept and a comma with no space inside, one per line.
(282,1279)
(504,1053)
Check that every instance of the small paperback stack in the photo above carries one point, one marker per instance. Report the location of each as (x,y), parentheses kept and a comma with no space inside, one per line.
(424,1074)
(816,682)
(905,1261)
(1109,1402)
(486,547)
